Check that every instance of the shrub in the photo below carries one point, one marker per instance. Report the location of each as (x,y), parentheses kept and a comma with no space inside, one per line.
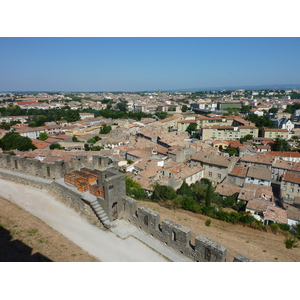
(208,222)
(284,227)
(291,242)
(275,227)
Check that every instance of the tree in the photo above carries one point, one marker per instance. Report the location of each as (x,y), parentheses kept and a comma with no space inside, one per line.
(56,146)
(184,108)
(75,139)
(192,127)
(185,189)
(232,151)
(208,195)
(161,114)
(163,193)
(14,140)
(246,109)
(280,145)
(105,129)
(43,136)
(134,189)
(122,106)
(273,110)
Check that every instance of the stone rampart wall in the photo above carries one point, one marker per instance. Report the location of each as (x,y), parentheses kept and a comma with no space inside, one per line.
(172,234)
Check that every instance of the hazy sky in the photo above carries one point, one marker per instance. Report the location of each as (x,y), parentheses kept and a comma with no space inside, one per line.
(138,64)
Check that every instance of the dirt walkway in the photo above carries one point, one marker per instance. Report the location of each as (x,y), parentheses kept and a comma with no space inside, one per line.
(23,237)
(104,245)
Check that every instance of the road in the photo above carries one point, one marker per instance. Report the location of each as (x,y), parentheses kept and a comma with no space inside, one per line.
(105,245)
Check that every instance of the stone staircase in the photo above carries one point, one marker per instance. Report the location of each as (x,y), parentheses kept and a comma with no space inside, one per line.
(101,214)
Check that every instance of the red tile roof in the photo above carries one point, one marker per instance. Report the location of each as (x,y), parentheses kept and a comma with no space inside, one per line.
(291,177)
(239,171)
(40,144)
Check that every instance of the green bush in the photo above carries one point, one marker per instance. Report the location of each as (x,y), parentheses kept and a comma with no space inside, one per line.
(163,193)
(208,222)
(291,242)
(284,227)
(275,227)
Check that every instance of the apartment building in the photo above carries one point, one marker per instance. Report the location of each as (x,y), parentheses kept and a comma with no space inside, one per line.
(276,133)
(227,132)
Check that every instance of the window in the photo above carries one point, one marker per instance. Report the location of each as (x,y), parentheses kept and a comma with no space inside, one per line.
(210,174)
(219,175)
(284,188)
(292,190)
(207,254)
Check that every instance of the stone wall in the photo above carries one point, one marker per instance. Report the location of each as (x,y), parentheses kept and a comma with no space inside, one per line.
(172,234)
(53,170)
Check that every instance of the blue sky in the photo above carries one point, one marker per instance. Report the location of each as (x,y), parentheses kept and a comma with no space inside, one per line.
(139,64)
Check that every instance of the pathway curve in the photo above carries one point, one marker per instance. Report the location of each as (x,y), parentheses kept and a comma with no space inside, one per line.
(105,245)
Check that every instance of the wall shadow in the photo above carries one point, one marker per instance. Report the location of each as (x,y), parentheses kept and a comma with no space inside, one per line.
(17,251)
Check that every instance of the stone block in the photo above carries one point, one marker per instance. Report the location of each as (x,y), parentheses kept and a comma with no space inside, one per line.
(209,251)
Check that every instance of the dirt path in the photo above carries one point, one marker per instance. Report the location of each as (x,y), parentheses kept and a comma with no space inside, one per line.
(104,245)
(23,237)
(254,244)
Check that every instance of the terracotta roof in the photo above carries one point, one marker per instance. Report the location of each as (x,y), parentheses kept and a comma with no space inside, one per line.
(275,130)
(227,189)
(258,204)
(246,194)
(260,173)
(283,154)
(291,177)
(239,171)
(213,159)
(260,190)
(52,140)
(259,158)
(234,143)
(286,165)
(187,121)
(40,144)
(276,214)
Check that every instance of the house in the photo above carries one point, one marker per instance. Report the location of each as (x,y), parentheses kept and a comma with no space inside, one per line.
(258,160)
(237,175)
(216,166)
(286,155)
(293,214)
(283,123)
(289,187)
(227,189)
(257,175)
(32,133)
(174,174)
(220,145)
(246,149)
(275,214)
(258,207)
(280,166)
(86,115)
